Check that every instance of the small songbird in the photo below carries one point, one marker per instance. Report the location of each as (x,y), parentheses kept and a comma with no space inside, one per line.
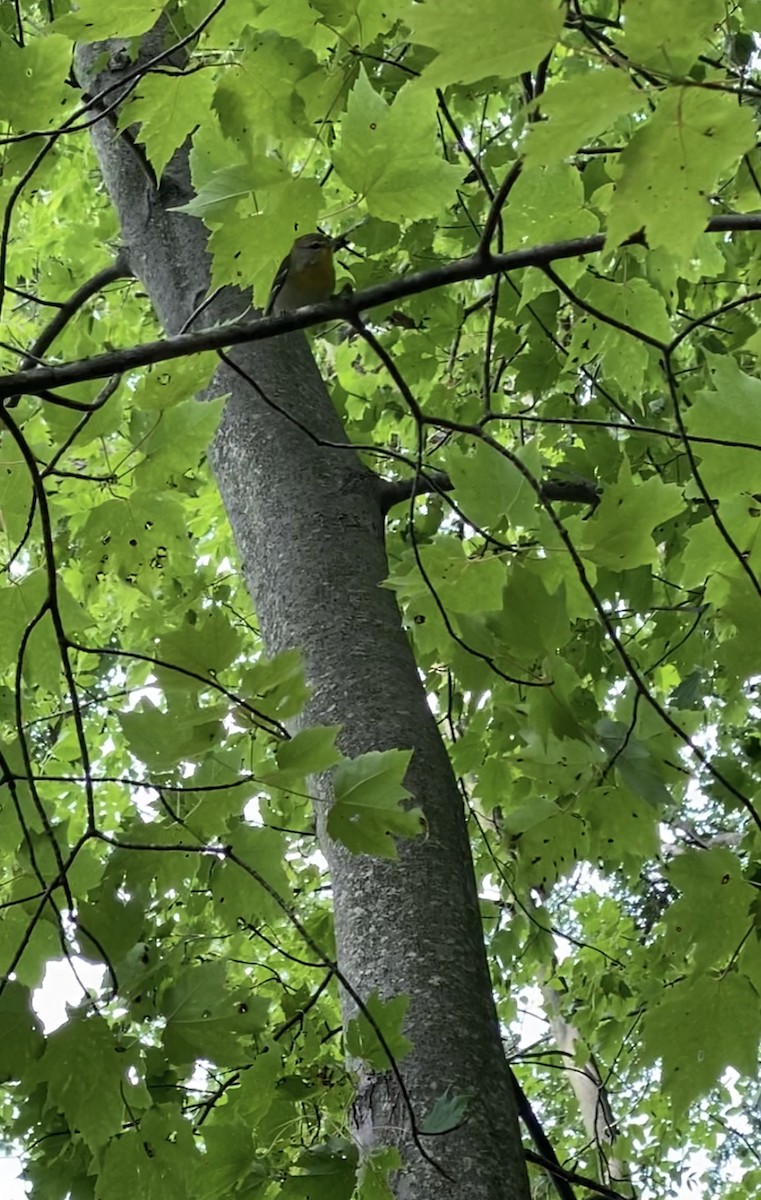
(306,276)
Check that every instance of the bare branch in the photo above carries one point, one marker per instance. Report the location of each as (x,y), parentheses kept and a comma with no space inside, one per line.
(396,491)
(345,306)
(119,269)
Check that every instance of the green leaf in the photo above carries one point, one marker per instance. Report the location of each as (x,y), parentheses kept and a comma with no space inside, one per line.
(85,1068)
(16,493)
(547,204)
(620,533)
(488,487)
(221,189)
(362,1040)
(276,685)
(20,601)
(622,826)
(448,1112)
(158,1161)
(174,442)
(265,90)
(33,89)
(308,752)
(229,1163)
(711,916)
(689,693)
(324,1173)
(205,643)
(461,583)
(93,21)
(360,21)
(673,163)
(532,622)
(729,410)
(525,816)
(204,1019)
(509,37)
(387,154)
(373,1173)
(166,108)
(42,944)
(193,733)
(246,892)
(642,310)
(20,1031)
(633,762)
(551,849)
(367,813)
(116,924)
(139,541)
(576,111)
(669,37)
(699,1028)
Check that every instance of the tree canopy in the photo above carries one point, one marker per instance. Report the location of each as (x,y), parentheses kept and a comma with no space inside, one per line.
(548,348)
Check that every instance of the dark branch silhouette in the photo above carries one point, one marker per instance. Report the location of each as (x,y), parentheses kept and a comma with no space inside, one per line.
(345,306)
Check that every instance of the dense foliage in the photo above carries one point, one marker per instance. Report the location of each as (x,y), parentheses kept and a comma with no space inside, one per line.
(584,600)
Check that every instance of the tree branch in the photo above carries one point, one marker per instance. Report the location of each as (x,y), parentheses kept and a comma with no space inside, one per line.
(547,1156)
(396,491)
(118,269)
(559,1172)
(345,307)
(574,491)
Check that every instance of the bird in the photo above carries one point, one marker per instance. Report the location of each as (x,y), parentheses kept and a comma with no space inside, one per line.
(306,275)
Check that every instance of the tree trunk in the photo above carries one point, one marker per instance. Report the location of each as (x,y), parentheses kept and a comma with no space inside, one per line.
(591,1093)
(307,521)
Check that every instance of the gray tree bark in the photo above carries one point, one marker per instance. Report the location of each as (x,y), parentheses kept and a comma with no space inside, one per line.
(308,524)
